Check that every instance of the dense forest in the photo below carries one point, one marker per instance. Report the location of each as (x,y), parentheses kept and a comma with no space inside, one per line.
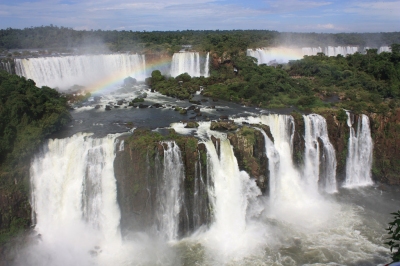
(28,115)
(66,39)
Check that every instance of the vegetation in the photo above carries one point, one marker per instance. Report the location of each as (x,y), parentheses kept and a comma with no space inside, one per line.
(28,115)
(64,39)
(394,239)
(362,83)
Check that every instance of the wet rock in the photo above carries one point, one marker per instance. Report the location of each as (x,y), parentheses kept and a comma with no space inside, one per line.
(97,106)
(108,108)
(157,105)
(143,105)
(192,125)
(223,125)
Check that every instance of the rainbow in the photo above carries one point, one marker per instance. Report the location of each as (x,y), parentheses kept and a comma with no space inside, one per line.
(109,82)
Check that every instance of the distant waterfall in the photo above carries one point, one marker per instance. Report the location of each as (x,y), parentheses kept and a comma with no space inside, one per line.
(207,66)
(359,157)
(84,70)
(274,55)
(188,62)
(169,193)
(7,67)
(319,162)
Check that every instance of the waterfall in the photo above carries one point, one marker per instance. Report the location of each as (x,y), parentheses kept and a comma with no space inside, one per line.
(185,62)
(359,157)
(200,209)
(74,198)
(207,66)
(311,50)
(319,162)
(170,192)
(275,55)
(7,67)
(384,49)
(84,70)
(232,234)
(343,50)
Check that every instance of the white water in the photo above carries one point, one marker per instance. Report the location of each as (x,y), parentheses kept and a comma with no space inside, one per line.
(359,157)
(169,192)
(74,199)
(273,55)
(207,66)
(233,233)
(189,62)
(6,66)
(83,70)
(317,157)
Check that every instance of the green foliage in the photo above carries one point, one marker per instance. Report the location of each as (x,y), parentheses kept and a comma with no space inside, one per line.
(394,239)
(341,116)
(27,116)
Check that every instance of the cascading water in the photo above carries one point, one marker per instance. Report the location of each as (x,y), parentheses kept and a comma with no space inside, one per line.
(7,67)
(320,162)
(185,62)
(207,66)
(74,200)
(359,157)
(233,234)
(84,70)
(169,192)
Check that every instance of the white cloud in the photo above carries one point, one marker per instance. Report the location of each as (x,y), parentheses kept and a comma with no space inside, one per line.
(384,9)
(325,26)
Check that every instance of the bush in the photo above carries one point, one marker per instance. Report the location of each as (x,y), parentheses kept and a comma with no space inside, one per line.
(394,239)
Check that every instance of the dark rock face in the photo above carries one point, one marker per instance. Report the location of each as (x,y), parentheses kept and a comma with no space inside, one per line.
(385,131)
(249,149)
(138,171)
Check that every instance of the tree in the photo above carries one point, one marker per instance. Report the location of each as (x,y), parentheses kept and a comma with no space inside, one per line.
(394,239)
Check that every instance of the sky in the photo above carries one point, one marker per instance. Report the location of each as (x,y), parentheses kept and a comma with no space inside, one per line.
(329,16)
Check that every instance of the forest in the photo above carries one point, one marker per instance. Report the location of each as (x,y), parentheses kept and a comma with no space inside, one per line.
(232,41)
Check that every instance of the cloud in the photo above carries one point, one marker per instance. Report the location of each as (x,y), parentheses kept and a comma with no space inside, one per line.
(325,26)
(289,15)
(384,9)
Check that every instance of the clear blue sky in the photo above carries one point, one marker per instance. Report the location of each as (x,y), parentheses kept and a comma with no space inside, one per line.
(281,15)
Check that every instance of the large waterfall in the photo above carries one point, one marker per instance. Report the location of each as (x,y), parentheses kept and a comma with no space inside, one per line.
(84,70)
(74,200)
(189,62)
(359,157)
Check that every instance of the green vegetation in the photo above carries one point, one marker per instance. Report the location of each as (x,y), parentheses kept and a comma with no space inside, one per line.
(361,83)
(64,39)
(394,239)
(27,116)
